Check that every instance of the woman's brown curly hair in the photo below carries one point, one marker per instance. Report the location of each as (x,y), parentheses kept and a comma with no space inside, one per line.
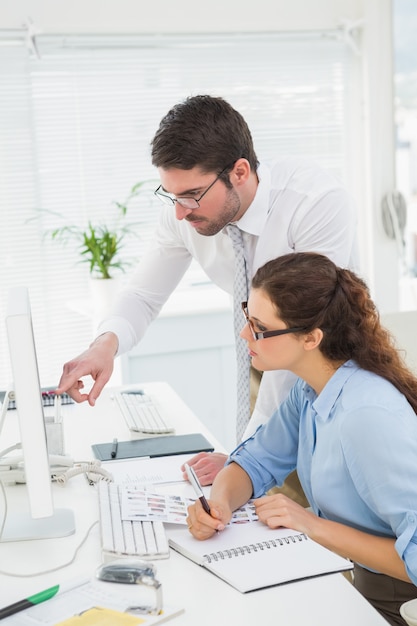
(310,291)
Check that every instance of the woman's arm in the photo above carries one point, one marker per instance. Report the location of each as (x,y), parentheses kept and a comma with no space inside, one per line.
(232,485)
(376,553)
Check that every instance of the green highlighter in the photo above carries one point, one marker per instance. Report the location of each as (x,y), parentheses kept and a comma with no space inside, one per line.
(37,598)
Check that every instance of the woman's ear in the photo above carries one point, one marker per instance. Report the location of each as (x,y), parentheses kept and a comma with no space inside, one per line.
(313,339)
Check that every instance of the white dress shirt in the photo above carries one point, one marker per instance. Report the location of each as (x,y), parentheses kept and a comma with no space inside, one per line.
(298,207)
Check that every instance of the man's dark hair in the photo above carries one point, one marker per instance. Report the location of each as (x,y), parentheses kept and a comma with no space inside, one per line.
(203,131)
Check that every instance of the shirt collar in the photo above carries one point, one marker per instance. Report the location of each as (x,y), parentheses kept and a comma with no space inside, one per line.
(254,219)
(325,401)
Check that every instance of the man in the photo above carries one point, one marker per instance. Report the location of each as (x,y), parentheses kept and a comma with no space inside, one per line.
(210,178)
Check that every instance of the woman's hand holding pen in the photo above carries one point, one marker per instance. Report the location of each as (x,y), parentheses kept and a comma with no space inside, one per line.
(197,520)
(202,525)
(231,489)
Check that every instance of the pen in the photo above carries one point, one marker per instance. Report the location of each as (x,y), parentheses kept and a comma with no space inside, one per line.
(192,477)
(113,452)
(37,598)
(57,409)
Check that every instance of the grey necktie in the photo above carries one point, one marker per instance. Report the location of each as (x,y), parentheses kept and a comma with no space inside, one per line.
(240,294)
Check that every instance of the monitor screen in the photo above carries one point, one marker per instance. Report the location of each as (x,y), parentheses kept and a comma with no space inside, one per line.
(42,520)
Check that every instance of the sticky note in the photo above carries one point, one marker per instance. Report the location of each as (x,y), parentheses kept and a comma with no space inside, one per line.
(98,616)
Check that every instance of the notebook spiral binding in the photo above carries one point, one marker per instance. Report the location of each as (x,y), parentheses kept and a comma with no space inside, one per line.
(254,547)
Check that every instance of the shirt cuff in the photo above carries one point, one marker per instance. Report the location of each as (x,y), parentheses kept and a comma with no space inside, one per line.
(122,329)
(406,544)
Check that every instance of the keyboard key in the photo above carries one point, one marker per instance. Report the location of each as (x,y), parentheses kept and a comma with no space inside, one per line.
(146,540)
(150,538)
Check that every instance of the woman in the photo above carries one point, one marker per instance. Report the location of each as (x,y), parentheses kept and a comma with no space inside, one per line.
(349,427)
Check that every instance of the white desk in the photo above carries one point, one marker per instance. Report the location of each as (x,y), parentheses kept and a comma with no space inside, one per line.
(323,601)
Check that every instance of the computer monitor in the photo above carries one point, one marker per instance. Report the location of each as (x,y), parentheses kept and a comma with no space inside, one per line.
(41,521)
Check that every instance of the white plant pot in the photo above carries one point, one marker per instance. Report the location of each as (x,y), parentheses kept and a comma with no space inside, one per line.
(103,294)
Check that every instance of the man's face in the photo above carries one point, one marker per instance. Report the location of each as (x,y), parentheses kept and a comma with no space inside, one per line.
(218,207)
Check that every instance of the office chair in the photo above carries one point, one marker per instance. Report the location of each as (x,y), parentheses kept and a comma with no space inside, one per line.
(408,612)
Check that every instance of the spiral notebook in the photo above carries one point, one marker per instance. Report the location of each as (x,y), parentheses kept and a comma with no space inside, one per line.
(252,556)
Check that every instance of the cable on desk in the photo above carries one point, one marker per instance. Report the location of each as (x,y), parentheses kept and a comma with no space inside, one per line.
(47,571)
(58,567)
(5,452)
(3,523)
(92,469)
(93,472)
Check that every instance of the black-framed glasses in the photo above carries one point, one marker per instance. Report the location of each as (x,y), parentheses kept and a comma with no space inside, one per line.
(268,333)
(187,202)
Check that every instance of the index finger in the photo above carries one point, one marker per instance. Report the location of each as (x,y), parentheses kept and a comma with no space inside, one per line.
(73,390)
(70,379)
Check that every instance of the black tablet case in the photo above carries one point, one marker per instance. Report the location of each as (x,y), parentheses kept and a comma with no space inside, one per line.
(166,445)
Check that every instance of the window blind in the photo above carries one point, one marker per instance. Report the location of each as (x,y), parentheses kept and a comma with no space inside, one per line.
(75,132)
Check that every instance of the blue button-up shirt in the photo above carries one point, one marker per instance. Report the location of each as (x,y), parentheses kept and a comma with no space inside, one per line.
(355,450)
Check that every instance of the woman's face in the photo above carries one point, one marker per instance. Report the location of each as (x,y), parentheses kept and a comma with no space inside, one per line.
(272,353)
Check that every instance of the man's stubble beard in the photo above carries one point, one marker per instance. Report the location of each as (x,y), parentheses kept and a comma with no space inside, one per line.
(231,209)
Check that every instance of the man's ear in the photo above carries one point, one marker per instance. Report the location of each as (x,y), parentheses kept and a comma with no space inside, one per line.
(313,339)
(240,172)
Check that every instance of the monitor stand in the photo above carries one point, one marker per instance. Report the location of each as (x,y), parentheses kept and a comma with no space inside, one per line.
(21,526)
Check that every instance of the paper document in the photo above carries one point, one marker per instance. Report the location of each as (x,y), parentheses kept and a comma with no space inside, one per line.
(139,504)
(71,604)
(147,471)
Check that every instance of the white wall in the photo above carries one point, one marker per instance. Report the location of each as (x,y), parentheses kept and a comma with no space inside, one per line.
(130,16)
(372,137)
(379,254)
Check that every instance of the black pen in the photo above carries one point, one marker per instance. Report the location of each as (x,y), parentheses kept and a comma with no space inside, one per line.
(192,477)
(113,452)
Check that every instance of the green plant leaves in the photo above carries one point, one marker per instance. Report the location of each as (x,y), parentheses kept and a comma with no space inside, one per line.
(100,245)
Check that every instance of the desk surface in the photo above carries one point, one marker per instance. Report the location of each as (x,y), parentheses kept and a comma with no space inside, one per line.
(322,601)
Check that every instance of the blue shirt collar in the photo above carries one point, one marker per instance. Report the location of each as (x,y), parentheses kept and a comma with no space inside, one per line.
(325,401)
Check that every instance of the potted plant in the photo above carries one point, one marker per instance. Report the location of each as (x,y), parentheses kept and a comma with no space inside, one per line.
(100,246)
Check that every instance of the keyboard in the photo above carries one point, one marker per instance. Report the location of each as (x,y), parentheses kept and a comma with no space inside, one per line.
(122,538)
(48,398)
(142,414)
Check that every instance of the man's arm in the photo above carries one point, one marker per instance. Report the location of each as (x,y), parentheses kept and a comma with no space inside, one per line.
(158,273)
